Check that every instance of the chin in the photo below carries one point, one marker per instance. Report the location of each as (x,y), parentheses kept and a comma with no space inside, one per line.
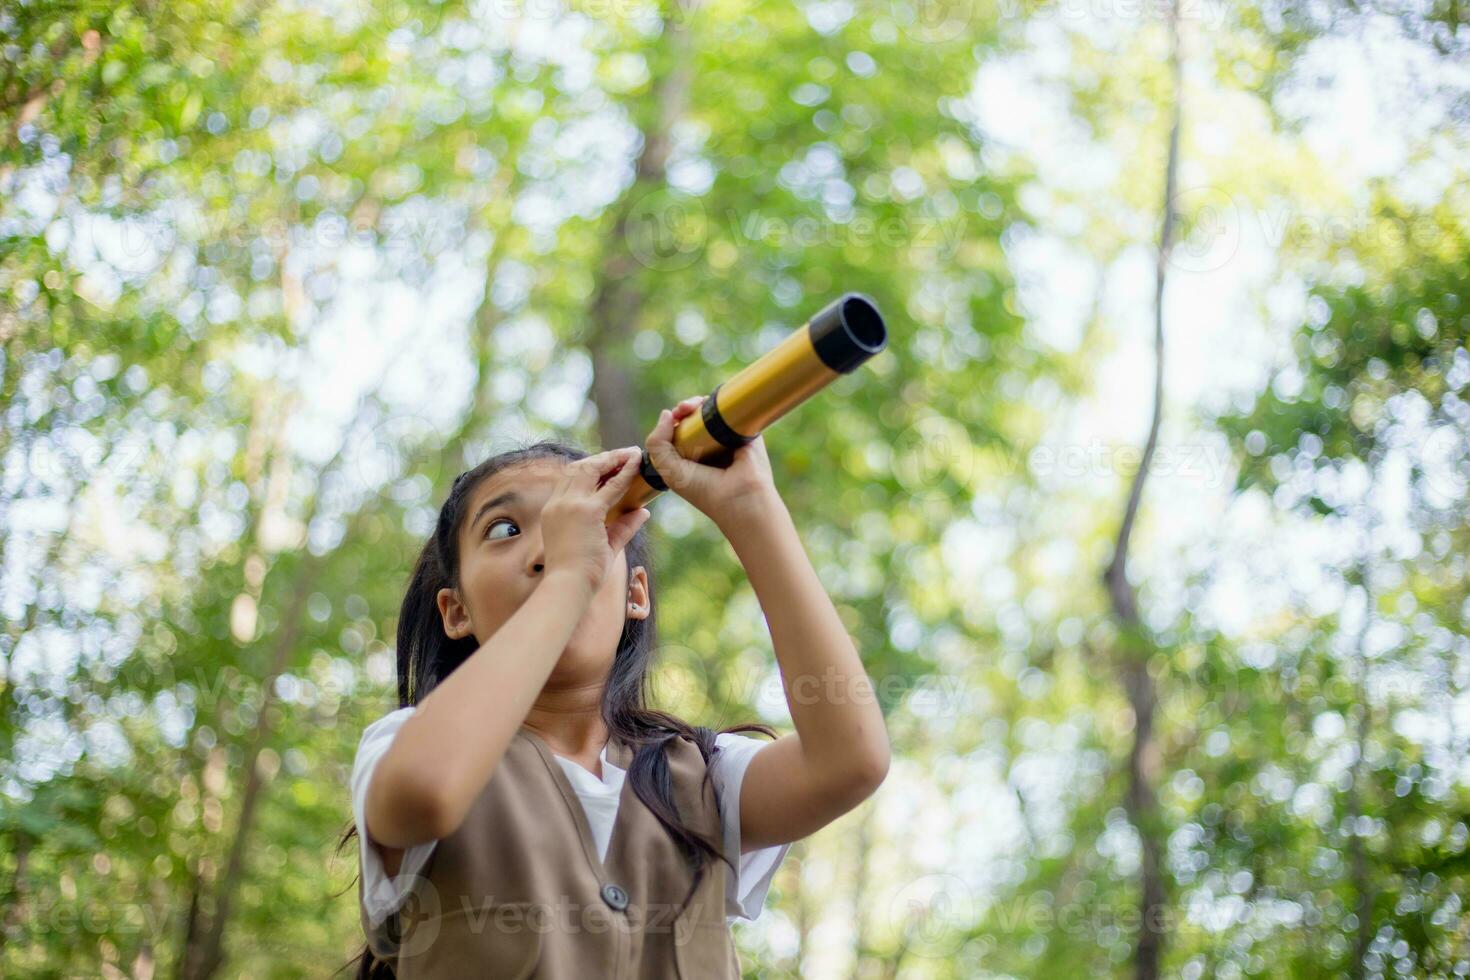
(577,667)
(588,649)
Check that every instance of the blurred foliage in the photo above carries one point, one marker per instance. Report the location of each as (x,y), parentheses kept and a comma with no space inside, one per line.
(272,274)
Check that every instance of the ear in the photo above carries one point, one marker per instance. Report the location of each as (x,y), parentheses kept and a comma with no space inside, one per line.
(455,616)
(638,604)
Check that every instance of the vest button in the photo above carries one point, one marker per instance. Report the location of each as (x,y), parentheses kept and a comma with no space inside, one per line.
(614,896)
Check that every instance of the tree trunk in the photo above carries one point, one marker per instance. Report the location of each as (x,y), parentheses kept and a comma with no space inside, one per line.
(17,905)
(616,297)
(1141,801)
(863,852)
(487,319)
(1362,884)
(203,952)
(804,921)
(205,956)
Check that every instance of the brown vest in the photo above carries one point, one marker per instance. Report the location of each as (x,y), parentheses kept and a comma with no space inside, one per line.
(518,890)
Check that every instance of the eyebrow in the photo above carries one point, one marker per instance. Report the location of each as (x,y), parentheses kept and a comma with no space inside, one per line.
(509,497)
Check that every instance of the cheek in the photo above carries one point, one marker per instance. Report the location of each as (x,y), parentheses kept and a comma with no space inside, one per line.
(609,601)
(495,594)
(613,591)
(606,612)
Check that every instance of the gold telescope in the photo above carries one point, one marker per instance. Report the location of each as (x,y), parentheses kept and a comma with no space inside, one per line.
(836,341)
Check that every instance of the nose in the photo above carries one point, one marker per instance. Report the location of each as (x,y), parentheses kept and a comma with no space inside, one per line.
(536,555)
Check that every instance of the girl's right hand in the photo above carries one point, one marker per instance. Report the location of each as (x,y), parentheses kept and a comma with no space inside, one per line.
(575,536)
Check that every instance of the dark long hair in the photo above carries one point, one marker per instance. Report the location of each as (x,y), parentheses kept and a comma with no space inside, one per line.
(427,655)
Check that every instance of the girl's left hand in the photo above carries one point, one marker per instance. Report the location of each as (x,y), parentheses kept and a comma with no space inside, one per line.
(724,495)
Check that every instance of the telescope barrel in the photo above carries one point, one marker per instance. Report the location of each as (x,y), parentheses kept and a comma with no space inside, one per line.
(836,341)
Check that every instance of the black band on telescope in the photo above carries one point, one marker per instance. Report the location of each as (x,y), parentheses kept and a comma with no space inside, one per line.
(716,425)
(847,332)
(650,475)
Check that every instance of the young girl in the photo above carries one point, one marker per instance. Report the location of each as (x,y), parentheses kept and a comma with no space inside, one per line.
(524,813)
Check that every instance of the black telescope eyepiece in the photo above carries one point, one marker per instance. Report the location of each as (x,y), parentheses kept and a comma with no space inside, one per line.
(847,332)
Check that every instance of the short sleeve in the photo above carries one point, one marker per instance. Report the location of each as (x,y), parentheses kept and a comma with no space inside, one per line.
(747,890)
(381,895)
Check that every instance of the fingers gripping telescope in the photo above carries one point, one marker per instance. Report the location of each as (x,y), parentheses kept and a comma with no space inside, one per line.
(836,341)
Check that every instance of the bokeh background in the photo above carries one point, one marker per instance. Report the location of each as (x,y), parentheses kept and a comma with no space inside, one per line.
(273,273)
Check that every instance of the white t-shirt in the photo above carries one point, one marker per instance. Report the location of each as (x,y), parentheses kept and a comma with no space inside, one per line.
(745,892)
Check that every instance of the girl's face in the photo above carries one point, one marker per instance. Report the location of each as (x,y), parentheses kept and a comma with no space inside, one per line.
(501,561)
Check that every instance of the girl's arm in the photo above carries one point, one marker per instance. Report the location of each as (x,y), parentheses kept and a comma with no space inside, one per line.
(445,752)
(839,752)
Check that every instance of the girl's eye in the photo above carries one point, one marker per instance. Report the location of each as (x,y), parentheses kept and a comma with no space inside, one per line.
(499,522)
